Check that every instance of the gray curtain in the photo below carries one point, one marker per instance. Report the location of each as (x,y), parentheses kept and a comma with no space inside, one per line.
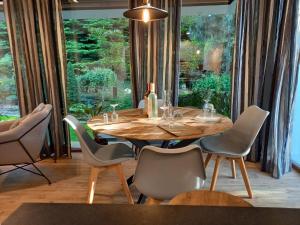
(265,74)
(155,51)
(37,45)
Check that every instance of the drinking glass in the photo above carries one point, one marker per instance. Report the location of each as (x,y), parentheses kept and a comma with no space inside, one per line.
(177,115)
(206,108)
(206,112)
(105,118)
(164,115)
(212,113)
(164,106)
(170,116)
(206,104)
(114,115)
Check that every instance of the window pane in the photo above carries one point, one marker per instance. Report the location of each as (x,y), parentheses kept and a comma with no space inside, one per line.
(206,52)
(296,121)
(9,108)
(98,62)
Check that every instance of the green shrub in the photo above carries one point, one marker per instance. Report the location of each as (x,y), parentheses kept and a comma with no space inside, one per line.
(125,102)
(97,79)
(84,111)
(216,88)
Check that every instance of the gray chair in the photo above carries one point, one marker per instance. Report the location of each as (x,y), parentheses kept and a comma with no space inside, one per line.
(161,173)
(235,143)
(101,157)
(22,140)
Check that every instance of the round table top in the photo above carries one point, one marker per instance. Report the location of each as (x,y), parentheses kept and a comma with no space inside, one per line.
(133,124)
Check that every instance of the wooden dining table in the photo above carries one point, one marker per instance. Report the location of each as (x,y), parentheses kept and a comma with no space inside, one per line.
(134,126)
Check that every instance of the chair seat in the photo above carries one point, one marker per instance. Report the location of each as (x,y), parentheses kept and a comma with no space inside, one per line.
(120,152)
(233,146)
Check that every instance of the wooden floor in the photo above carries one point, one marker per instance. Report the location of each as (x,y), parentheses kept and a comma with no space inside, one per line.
(70,177)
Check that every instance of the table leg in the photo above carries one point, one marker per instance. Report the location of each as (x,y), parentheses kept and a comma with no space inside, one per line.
(184,143)
(142,199)
(165,144)
(139,143)
(130,180)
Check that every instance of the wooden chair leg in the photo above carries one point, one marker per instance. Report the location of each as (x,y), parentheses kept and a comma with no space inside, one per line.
(245,176)
(233,170)
(152,201)
(123,180)
(215,174)
(92,184)
(207,159)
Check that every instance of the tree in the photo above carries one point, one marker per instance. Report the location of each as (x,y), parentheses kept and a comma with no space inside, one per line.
(72,85)
(98,43)
(96,80)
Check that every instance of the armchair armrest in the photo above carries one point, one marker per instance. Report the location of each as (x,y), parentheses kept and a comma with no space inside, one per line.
(9,135)
(4,125)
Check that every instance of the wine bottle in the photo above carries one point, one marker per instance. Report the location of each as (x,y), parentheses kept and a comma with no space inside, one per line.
(145,110)
(152,102)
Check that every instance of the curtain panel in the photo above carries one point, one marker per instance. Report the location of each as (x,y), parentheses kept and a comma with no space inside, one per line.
(155,51)
(265,74)
(37,45)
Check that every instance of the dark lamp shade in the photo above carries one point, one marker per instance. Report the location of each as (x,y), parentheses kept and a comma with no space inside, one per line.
(153,12)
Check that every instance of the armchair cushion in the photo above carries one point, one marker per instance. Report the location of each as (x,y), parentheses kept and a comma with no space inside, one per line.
(5,125)
(16,123)
(29,134)
(39,108)
(18,127)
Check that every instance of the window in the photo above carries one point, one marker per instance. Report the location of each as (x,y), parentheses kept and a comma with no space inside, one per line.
(206,53)
(296,122)
(98,62)
(9,108)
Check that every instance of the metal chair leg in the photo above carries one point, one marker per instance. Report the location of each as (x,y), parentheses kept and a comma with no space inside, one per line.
(41,173)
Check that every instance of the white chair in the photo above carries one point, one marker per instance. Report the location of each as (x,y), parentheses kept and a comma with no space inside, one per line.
(21,140)
(235,143)
(161,173)
(101,157)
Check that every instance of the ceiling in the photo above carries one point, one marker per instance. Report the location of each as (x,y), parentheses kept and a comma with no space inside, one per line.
(112,4)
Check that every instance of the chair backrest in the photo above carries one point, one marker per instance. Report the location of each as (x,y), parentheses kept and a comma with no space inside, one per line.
(87,144)
(248,125)
(164,173)
(35,127)
(209,198)
(141,105)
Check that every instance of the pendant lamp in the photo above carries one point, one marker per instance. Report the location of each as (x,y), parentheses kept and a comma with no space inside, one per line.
(146,13)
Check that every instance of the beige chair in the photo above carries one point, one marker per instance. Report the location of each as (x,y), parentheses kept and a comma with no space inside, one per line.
(161,173)
(101,158)
(209,198)
(235,143)
(21,140)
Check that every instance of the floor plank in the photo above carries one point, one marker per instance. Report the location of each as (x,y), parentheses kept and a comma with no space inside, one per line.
(70,178)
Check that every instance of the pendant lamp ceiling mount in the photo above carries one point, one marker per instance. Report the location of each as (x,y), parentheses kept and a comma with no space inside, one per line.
(146,13)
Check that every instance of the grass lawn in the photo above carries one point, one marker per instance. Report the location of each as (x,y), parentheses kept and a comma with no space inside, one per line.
(5,118)
(73,135)
(72,132)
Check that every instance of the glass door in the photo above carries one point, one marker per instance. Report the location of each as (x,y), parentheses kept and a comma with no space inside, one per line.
(98,62)
(206,55)
(296,122)
(9,108)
